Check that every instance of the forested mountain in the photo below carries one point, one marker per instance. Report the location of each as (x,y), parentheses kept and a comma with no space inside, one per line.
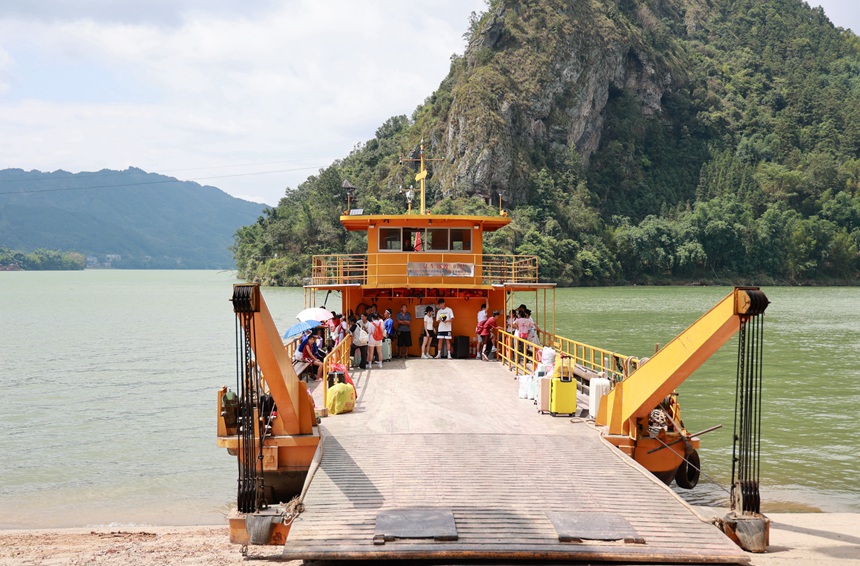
(127,219)
(631,140)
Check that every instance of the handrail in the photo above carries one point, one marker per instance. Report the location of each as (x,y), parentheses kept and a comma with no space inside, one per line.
(291,347)
(339,269)
(340,354)
(615,366)
(403,268)
(521,355)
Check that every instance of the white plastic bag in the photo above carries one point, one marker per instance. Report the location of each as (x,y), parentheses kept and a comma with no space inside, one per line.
(547,356)
(525,384)
(533,388)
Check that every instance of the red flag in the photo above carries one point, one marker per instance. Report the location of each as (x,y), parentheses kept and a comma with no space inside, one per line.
(417,246)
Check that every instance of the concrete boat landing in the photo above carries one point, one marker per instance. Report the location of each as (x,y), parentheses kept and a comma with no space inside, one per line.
(499,481)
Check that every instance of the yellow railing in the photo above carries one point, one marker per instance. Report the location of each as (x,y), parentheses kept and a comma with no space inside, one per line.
(502,268)
(521,355)
(339,269)
(409,267)
(340,354)
(518,354)
(616,366)
(291,347)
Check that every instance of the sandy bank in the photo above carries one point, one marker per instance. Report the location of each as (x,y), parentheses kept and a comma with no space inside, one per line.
(132,546)
(796,538)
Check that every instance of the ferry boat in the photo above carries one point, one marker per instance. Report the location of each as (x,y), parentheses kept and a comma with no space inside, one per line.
(271,423)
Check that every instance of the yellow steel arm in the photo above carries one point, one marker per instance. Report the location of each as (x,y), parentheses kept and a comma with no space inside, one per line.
(278,372)
(643,390)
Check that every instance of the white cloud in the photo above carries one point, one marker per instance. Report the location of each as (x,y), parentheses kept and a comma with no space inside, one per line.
(202,88)
(298,85)
(5,64)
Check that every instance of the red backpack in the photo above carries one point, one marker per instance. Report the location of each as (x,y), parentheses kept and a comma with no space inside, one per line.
(378,333)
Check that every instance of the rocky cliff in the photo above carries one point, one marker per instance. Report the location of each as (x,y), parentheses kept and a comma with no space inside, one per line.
(538,76)
(629,140)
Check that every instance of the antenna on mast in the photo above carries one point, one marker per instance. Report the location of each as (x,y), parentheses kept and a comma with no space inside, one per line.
(420,176)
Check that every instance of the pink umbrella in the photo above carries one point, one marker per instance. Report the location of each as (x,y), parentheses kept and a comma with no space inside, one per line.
(318,314)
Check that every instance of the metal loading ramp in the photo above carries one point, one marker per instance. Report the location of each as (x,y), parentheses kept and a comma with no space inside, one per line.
(512,497)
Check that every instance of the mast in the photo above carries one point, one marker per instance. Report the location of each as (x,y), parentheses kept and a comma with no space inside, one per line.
(420,176)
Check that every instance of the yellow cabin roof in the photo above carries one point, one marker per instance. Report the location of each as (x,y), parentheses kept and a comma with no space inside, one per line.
(355,223)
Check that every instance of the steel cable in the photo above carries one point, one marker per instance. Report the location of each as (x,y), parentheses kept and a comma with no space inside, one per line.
(746,450)
(250,482)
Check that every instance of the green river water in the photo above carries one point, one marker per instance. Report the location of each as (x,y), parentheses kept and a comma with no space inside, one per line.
(109,381)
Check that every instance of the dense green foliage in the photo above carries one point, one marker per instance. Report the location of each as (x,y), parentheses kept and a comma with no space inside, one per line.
(749,173)
(41,260)
(131,218)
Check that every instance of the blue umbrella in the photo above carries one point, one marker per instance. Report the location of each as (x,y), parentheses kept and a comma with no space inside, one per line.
(297,329)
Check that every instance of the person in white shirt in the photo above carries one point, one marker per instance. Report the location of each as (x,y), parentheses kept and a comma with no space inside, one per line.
(444,315)
(427,333)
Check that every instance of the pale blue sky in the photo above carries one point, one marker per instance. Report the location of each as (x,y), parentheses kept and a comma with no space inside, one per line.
(251,97)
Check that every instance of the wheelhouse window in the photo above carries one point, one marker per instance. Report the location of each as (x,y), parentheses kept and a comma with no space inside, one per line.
(413,240)
(437,239)
(389,239)
(425,239)
(461,239)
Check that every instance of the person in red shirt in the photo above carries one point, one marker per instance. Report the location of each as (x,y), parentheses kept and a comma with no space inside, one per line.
(487,334)
(309,356)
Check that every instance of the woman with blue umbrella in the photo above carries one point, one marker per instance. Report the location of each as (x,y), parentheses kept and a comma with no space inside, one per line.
(300,327)
(308,355)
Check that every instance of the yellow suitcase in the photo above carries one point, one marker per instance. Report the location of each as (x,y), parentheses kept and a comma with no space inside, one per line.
(562,399)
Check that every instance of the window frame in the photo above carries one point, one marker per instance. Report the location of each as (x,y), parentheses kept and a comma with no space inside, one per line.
(424,231)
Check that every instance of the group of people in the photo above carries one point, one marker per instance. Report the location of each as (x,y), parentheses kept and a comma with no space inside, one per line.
(370,329)
(437,324)
(519,323)
(367,338)
(522,325)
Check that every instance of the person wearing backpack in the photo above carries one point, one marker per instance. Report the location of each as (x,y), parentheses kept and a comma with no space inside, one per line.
(482,317)
(376,334)
(359,341)
(487,329)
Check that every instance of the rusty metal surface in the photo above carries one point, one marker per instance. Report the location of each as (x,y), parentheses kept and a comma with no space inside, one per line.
(402,523)
(573,526)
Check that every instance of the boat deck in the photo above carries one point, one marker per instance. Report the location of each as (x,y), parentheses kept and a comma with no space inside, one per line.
(447,445)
